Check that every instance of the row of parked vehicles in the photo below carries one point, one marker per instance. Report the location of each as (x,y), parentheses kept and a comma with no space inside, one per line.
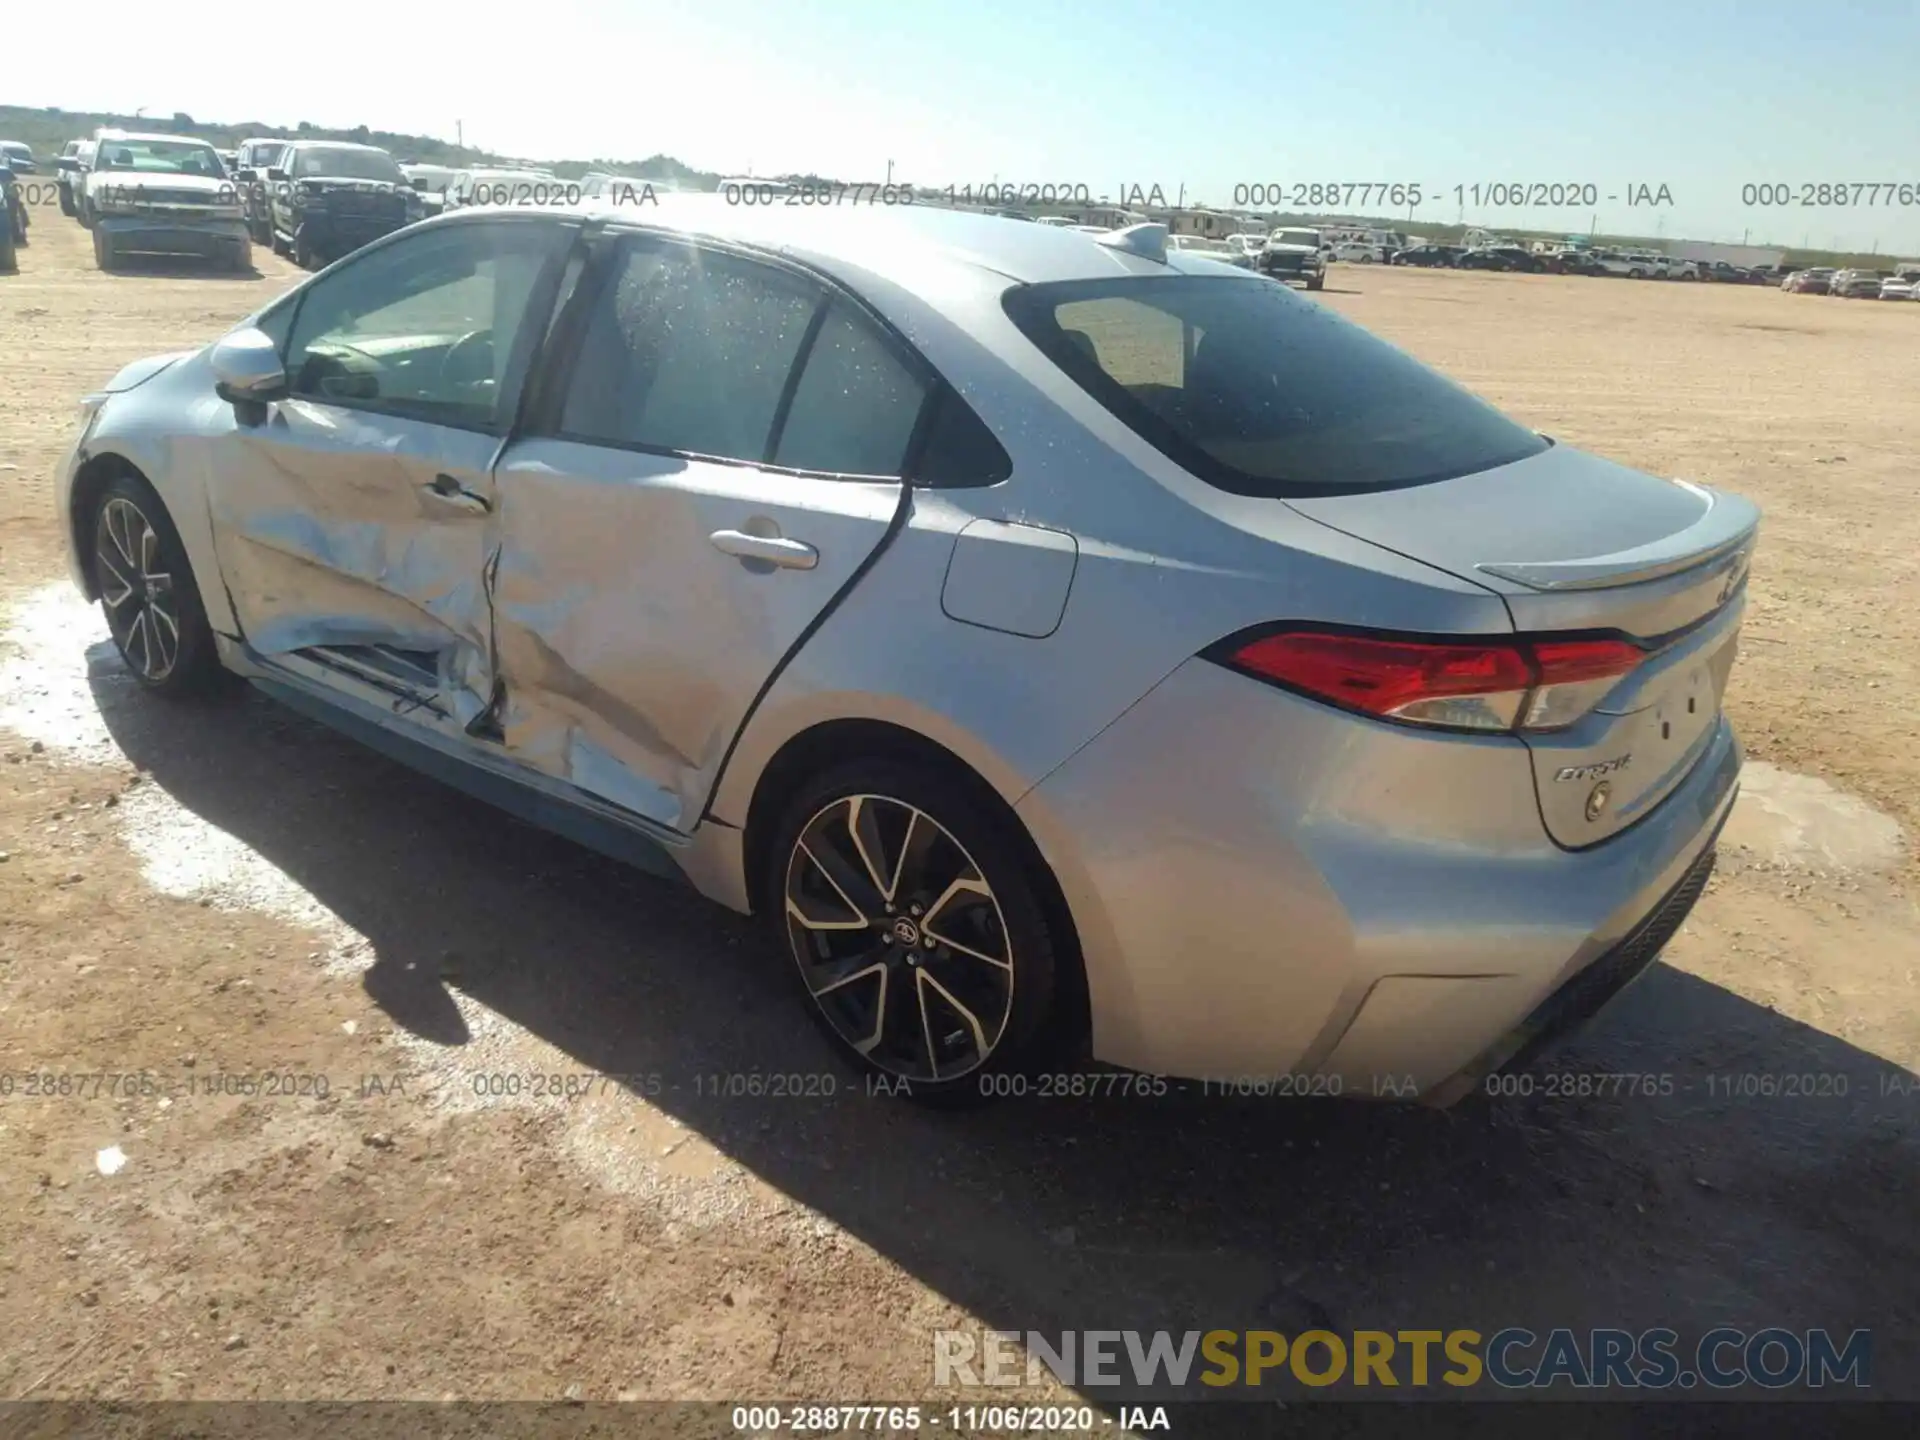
(1303,253)
(312,201)
(1856,284)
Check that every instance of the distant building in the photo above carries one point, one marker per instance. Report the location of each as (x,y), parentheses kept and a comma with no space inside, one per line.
(1759,257)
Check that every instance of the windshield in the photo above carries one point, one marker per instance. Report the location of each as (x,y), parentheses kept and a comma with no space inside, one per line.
(17,148)
(160,157)
(344,163)
(1295,237)
(1260,392)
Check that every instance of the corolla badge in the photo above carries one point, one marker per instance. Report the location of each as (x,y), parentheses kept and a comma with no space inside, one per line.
(1594,772)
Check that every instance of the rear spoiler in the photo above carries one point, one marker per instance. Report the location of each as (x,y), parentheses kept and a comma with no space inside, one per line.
(1725,528)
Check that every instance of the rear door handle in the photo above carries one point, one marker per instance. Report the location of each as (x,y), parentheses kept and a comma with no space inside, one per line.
(449,491)
(788,554)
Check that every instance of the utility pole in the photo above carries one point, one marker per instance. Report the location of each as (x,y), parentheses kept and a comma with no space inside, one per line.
(460,134)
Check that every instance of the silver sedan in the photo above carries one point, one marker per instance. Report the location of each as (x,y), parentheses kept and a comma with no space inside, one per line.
(1068,645)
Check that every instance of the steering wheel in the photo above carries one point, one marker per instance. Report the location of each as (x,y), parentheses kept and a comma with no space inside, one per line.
(473,350)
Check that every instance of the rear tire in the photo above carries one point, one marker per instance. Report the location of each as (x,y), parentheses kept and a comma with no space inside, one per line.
(908,909)
(9,258)
(147,591)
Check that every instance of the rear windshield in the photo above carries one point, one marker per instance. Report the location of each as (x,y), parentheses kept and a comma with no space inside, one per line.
(1260,391)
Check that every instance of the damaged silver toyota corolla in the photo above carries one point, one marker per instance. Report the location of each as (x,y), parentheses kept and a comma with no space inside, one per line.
(1058,639)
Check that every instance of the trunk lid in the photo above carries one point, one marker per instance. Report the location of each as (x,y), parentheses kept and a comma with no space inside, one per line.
(1574,543)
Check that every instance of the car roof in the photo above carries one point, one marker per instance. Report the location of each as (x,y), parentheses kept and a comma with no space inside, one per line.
(334,145)
(153,135)
(894,242)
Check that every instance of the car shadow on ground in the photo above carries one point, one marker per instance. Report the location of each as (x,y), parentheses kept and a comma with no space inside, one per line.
(136,266)
(1688,1209)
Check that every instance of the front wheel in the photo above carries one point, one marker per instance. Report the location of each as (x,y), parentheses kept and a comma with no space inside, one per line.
(1317,282)
(910,910)
(103,255)
(66,201)
(153,607)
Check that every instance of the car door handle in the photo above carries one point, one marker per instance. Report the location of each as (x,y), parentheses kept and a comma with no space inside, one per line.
(788,554)
(449,491)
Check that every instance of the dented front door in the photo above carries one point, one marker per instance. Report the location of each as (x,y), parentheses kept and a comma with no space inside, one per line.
(355,525)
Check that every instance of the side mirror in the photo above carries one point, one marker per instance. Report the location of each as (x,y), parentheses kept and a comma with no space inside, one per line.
(247,374)
(66,162)
(419,182)
(275,172)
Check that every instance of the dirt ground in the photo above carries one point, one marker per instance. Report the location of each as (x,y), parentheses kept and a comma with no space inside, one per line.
(217,896)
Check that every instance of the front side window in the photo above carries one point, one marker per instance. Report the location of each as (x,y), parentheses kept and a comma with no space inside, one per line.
(856,405)
(688,351)
(428,326)
(1260,392)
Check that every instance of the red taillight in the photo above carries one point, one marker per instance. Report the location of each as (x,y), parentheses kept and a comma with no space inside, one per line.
(1467,685)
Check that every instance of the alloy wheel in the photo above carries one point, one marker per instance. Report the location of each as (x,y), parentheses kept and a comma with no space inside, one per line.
(899,938)
(138,594)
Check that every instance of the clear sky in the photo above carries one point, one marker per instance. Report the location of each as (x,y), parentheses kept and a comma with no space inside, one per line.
(1702,96)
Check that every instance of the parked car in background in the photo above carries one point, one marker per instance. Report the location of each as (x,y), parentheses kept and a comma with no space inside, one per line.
(1896,287)
(1246,247)
(13,213)
(1809,282)
(252,161)
(1673,268)
(20,157)
(329,198)
(1633,264)
(1857,284)
(1292,254)
(1312,761)
(1204,246)
(1431,254)
(429,183)
(9,198)
(163,195)
(1569,261)
(1360,252)
(68,165)
(1501,257)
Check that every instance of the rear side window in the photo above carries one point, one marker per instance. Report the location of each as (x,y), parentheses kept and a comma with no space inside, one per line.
(689,352)
(1262,392)
(856,405)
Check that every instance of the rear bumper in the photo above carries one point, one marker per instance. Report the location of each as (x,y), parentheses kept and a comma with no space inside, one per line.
(1265,887)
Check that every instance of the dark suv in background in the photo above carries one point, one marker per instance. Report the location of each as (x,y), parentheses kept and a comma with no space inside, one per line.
(327,198)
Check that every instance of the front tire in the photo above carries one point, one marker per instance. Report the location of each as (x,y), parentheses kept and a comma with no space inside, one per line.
(152,605)
(911,913)
(103,249)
